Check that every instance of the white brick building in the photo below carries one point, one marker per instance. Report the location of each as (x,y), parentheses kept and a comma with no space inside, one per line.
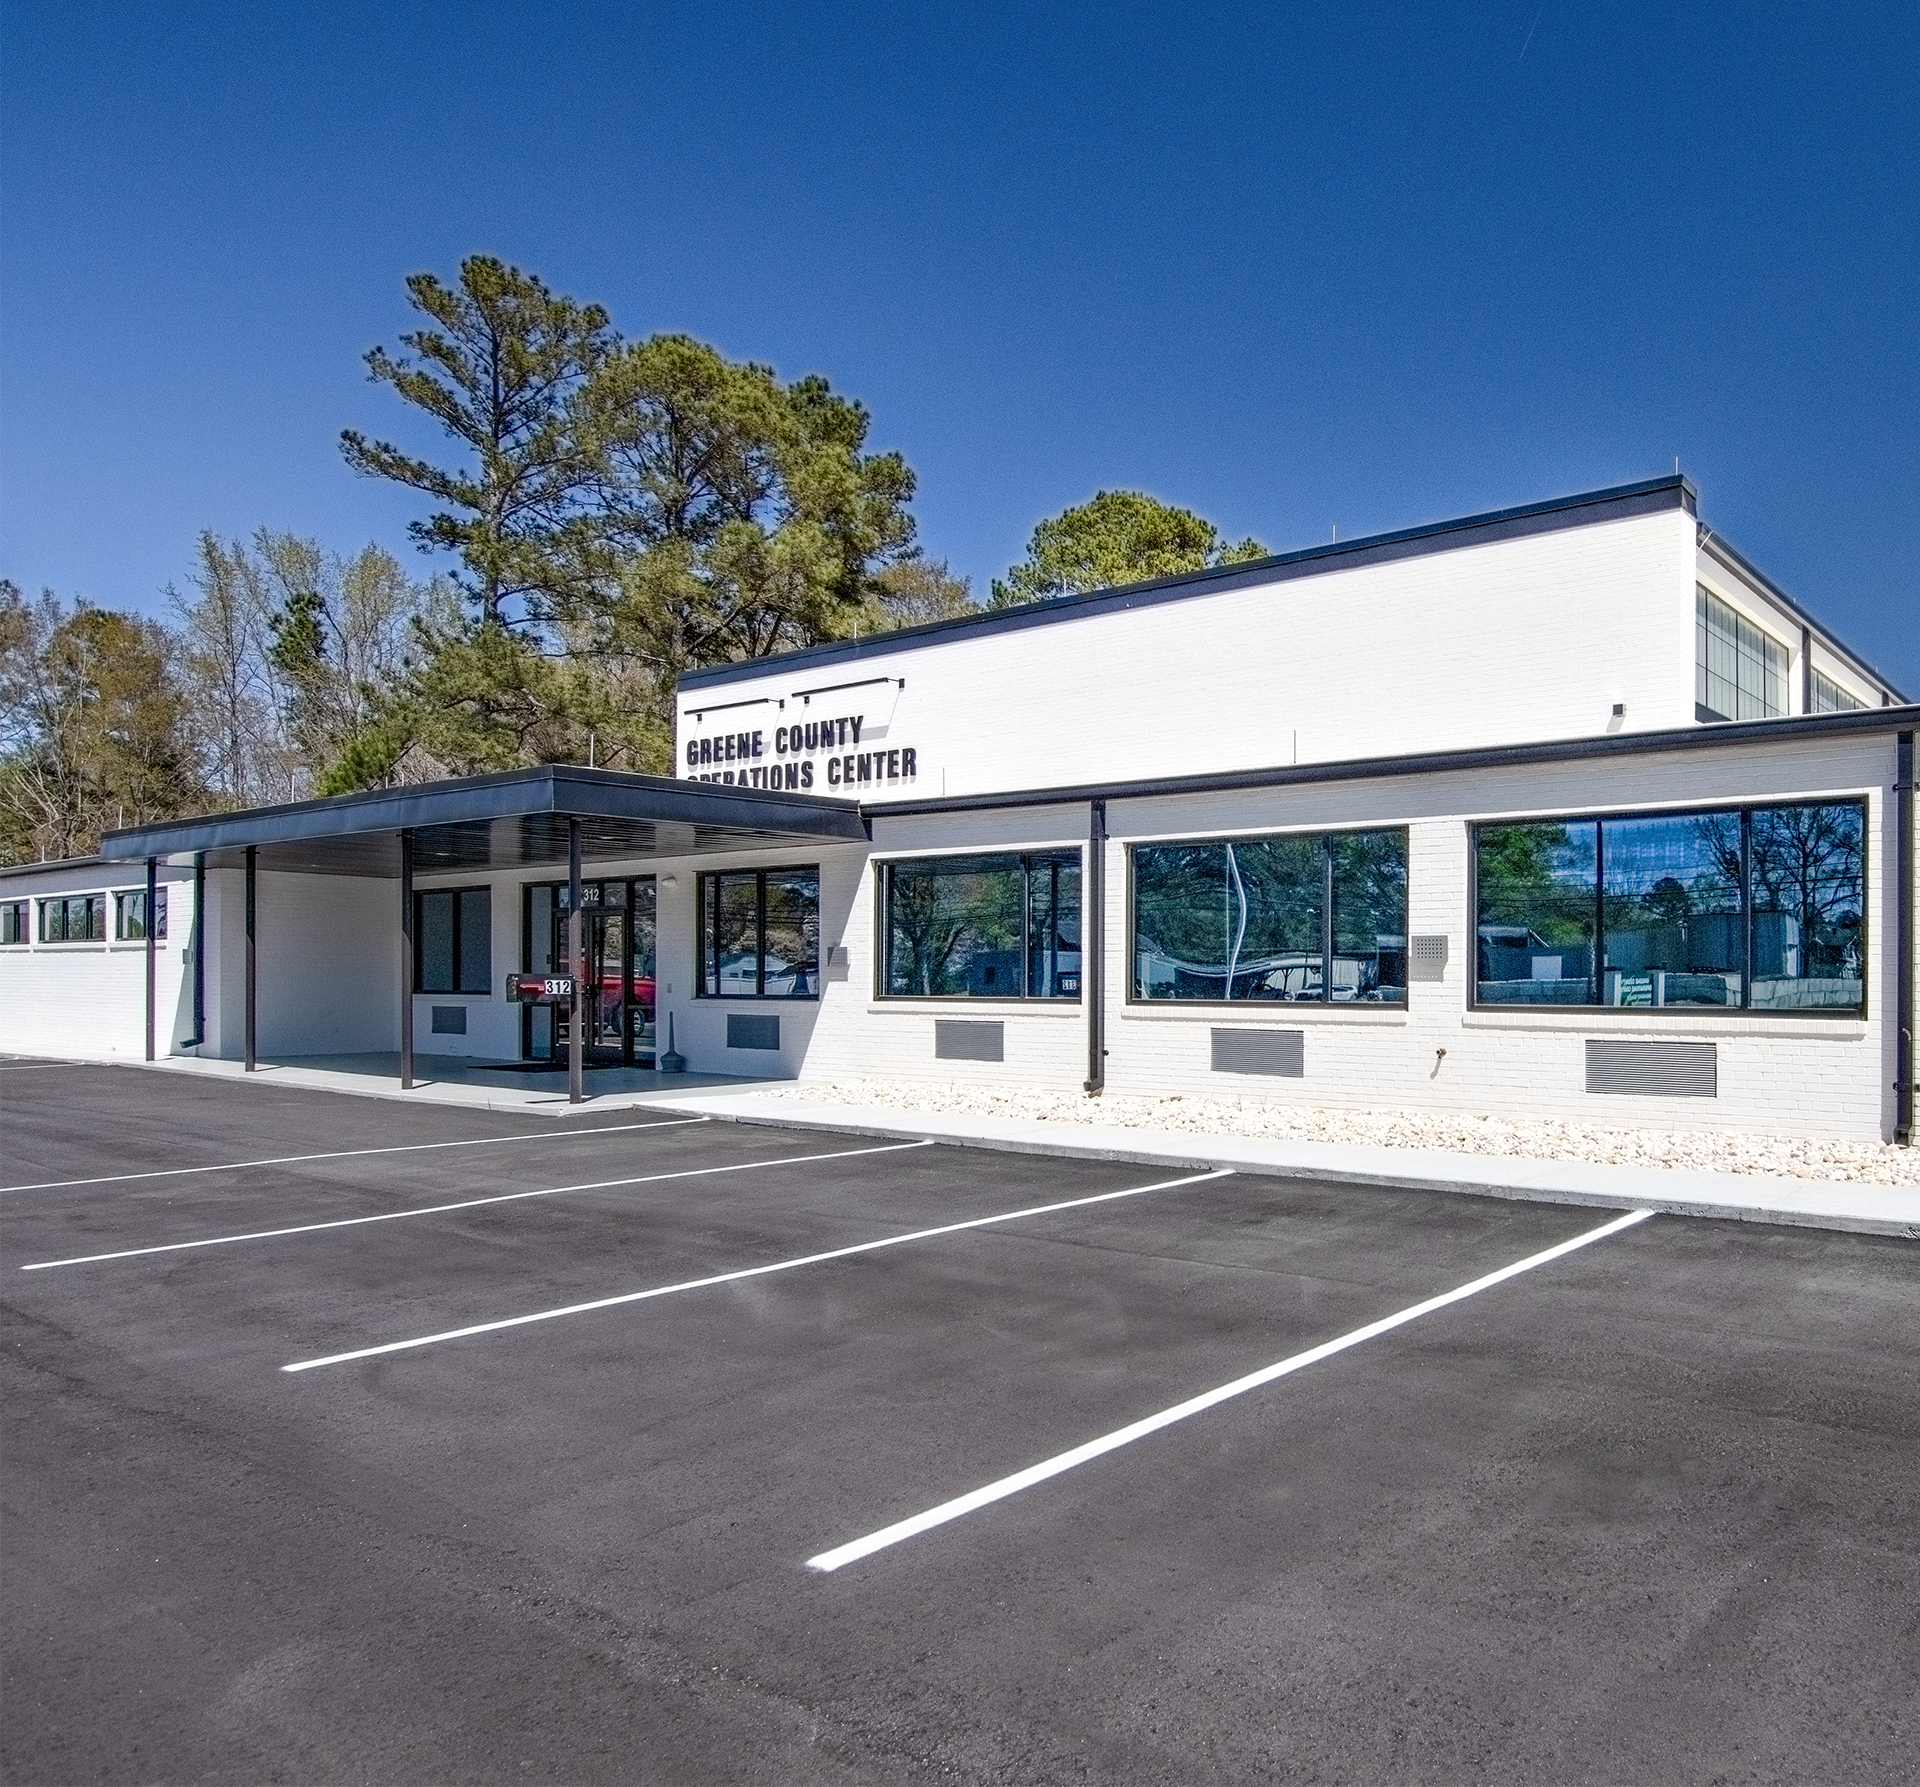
(1565,811)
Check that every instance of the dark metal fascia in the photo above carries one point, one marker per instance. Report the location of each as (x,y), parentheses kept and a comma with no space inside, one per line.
(1718,736)
(1737,562)
(512,794)
(57,864)
(1585,510)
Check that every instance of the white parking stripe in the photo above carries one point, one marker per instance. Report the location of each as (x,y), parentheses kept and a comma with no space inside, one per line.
(506,1197)
(700,1284)
(288,1160)
(852,1552)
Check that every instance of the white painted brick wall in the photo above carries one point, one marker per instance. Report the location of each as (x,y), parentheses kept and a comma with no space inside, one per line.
(1524,639)
(88,1001)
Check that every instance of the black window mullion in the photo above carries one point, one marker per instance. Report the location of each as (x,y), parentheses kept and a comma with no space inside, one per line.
(1026,926)
(1598,989)
(1746,908)
(1326,920)
(760,918)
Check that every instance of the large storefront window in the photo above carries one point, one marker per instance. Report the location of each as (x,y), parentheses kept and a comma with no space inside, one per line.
(983,927)
(760,934)
(1758,909)
(1302,919)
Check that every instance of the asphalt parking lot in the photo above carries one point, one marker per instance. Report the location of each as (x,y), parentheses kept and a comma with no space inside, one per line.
(1644,1511)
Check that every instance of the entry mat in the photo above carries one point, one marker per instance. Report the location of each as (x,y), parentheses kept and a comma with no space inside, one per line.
(543,1066)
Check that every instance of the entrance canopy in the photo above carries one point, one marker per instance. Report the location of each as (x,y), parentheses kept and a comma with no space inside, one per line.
(513,820)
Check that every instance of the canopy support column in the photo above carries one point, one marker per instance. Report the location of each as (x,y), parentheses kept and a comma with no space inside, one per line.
(199,950)
(253,977)
(153,880)
(576,1038)
(406,959)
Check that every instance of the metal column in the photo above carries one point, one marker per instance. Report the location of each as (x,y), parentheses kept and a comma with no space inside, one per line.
(153,881)
(253,1001)
(1903,940)
(200,950)
(406,959)
(576,1038)
(1093,915)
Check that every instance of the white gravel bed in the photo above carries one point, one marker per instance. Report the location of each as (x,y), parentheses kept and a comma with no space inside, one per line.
(1536,1138)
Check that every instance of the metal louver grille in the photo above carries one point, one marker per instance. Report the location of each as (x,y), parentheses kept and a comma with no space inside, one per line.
(963,1039)
(749,1030)
(1653,1069)
(1281,1053)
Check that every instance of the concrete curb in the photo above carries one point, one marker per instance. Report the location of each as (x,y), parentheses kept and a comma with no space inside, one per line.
(1846,1206)
(1796,1202)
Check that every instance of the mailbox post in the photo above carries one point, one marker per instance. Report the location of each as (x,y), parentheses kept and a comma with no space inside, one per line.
(576,1040)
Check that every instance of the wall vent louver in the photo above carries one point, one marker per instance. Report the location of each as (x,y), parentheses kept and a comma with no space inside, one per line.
(1278,1053)
(966,1039)
(1653,1069)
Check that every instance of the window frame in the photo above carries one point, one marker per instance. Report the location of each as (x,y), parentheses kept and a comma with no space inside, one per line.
(760,934)
(23,931)
(1025,857)
(1843,700)
(1326,835)
(125,897)
(456,991)
(94,902)
(1707,715)
(1743,811)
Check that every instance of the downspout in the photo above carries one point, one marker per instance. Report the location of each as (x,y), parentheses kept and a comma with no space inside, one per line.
(1903,940)
(1093,946)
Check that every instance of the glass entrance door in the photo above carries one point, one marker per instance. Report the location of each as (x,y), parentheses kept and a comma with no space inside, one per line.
(617,942)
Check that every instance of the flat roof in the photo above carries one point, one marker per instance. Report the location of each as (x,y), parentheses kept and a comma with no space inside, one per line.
(514,819)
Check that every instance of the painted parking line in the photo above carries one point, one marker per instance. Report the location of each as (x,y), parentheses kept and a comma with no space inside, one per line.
(288,1160)
(745,1272)
(842,1555)
(505,1197)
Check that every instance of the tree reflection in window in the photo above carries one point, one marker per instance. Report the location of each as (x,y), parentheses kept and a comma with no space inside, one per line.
(983,927)
(1248,919)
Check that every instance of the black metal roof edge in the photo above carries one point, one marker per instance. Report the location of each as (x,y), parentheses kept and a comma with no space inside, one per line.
(469,800)
(1362,769)
(58,863)
(1711,540)
(1618,502)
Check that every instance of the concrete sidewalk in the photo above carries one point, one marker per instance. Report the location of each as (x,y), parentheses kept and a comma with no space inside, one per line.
(1746,1197)
(456,1080)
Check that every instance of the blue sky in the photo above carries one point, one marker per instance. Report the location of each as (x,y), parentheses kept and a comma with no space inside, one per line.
(1362,266)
